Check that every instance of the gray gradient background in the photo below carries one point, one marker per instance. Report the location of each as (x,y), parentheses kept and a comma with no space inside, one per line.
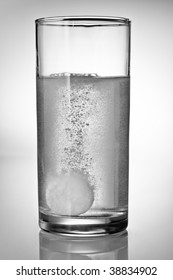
(150,231)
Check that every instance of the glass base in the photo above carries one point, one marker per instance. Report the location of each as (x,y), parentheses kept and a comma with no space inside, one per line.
(84,226)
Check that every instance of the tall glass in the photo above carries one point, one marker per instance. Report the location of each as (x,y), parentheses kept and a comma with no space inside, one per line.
(83,80)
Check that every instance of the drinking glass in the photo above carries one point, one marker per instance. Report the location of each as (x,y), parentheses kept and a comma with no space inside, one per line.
(83,95)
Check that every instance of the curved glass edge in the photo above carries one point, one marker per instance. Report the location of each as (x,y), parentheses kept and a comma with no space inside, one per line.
(86,21)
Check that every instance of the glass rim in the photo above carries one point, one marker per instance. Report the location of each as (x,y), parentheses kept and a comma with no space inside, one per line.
(83,21)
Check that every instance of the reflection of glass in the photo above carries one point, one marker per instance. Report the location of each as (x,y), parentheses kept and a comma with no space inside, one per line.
(83,82)
(55,247)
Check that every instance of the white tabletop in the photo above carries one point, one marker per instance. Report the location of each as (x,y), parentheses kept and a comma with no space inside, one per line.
(149,234)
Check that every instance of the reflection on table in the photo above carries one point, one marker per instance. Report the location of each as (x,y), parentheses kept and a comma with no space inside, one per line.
(56,247)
